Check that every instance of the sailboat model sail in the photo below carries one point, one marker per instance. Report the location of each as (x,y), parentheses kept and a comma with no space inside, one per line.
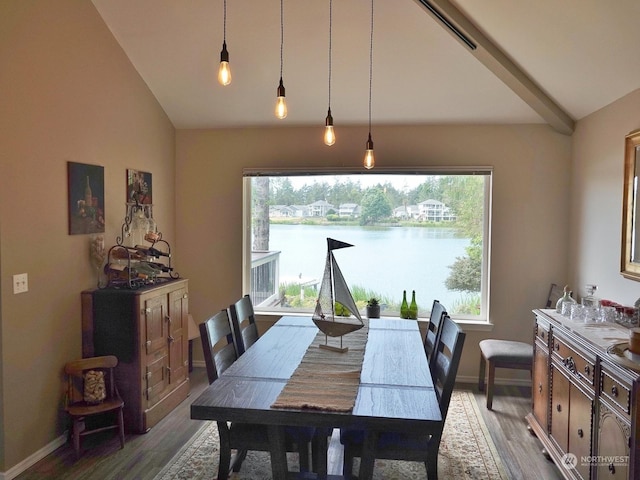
(335,304)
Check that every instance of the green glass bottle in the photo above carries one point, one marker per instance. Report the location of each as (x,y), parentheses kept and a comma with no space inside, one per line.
(413,307)
(404,307)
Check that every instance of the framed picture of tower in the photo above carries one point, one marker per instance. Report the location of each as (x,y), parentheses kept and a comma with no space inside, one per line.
(86,198)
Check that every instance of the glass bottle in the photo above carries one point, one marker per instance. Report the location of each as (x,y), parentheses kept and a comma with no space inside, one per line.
(404,307)
(565,299)
(413,307)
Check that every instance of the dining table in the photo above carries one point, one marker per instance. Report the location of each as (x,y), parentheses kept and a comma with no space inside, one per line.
(395,392)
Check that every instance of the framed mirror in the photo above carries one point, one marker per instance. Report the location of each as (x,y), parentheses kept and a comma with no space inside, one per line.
(630,257)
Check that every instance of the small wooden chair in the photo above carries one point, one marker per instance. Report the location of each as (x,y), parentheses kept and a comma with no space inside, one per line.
(83,402)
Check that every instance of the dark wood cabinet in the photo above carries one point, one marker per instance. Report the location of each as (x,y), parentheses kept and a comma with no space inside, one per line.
(584,402)
(147,330)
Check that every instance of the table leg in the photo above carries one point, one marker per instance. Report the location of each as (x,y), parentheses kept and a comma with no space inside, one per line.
(368,455)
(279,466)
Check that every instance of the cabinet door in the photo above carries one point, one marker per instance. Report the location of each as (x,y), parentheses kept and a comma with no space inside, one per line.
(613,445)
(559,408)
(540,390)
(178,336)
(581,411)
(155,322)
(156,378)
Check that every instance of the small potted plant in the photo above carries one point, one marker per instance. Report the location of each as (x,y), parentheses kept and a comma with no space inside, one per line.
(373,308)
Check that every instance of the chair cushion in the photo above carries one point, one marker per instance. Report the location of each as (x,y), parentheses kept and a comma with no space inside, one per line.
(506,351)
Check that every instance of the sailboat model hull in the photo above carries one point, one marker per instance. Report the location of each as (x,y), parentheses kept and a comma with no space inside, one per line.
(334,290)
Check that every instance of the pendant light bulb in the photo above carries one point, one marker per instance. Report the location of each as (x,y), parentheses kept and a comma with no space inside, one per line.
(369,160)
(329,134)
(281,104)
(224,72)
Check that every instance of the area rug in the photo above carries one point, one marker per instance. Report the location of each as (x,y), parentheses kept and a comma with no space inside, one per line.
(466,452)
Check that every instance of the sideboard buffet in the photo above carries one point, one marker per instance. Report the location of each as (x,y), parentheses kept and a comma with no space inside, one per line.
(585,398)
(146,328)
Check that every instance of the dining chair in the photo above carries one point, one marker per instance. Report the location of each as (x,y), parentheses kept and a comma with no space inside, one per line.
(92,392)
(220,352)
(411,446)
(431,336)
(243,321)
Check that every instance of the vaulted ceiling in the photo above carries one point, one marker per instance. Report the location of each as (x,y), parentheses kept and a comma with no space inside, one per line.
(543,61)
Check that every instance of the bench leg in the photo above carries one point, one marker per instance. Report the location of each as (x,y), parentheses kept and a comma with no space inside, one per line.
(481,375)
(492,374)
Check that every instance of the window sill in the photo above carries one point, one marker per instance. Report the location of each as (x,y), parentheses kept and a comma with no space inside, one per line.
(466,324)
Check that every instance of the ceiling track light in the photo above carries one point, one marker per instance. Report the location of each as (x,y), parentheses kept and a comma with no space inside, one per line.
(224,72)
(281,104)
(447,23)
(369,160)
(329,133)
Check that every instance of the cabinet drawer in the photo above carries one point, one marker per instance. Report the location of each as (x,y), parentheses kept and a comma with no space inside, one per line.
(575,363)
(617,393)
(542,334)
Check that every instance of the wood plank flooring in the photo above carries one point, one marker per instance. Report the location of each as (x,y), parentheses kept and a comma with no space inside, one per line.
(145,455)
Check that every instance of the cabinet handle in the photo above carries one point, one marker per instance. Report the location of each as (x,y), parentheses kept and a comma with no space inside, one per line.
(612,469)
(167,318)
(148,375)
(587,369)
(171,339)
(148,343)
(186,295)
(614,391)
(559,408)
(540,388)
(557,347)
(580,433)
(147,310)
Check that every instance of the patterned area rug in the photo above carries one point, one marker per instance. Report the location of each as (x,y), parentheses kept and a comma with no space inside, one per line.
(466,452)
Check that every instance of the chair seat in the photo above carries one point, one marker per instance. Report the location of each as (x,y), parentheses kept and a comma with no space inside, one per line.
(83,408)
(507,351)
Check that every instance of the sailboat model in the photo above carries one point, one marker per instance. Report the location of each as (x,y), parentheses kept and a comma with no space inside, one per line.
(335,304)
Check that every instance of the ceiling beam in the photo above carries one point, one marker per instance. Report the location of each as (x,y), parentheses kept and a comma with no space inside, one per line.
(490,55)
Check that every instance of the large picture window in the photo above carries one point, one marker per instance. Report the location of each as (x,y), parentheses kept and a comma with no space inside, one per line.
(425,231)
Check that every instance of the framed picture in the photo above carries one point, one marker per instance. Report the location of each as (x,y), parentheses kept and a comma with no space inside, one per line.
(86,198)
(139,187)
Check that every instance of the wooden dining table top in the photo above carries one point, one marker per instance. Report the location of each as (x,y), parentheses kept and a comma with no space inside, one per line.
(396,390)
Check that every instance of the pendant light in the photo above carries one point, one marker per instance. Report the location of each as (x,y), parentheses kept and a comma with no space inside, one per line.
(329,134)
(224,72)
(281,104)
(369,160)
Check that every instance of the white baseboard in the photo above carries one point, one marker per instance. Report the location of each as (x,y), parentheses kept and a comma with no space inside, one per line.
(16,470)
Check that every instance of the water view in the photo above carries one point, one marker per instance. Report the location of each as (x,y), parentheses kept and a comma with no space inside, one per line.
(386,260)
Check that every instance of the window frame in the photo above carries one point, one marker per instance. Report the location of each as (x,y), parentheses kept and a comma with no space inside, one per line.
(249,173)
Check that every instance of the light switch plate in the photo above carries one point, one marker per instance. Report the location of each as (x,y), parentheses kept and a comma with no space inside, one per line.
(20,283)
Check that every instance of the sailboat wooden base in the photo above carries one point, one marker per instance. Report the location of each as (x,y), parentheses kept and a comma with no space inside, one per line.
(339,349)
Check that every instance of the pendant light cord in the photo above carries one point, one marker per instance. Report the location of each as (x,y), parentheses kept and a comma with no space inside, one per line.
(281,35)
(330,29)
(370,66)
(224,22)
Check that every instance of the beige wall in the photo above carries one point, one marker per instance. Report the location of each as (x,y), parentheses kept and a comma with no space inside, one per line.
(596,200)
(68,94)
(530,204)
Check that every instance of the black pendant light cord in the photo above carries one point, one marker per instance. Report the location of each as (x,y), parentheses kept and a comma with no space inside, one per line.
(330,28)
(224,23)
(281,35)
(370,66)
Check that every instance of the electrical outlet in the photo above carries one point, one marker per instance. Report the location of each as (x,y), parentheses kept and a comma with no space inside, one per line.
(20,283)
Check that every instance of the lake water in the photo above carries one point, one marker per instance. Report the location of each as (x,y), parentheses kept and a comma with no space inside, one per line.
(386,260)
